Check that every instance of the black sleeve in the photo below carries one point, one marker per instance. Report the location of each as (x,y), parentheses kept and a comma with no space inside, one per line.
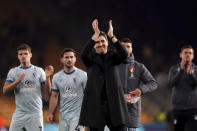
(174,76)
(149,83)
(120,53)
(193,77)
(87,53)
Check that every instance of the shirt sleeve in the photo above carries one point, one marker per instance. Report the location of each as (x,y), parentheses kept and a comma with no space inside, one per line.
(11,76)
(87,53)
(84,80)
(149,83)
(174,76)
(54,85)
(119,52)
(42,76)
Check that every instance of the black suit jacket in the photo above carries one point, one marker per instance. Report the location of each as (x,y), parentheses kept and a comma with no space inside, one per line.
(102,72)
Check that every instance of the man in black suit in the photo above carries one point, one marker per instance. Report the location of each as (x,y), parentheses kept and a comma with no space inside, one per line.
(103,102)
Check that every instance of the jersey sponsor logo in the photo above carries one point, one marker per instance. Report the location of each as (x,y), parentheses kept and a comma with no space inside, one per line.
(28,89)
(69,94)
(28,84)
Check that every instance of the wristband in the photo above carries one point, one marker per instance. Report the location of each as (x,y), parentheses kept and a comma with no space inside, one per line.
(112,37)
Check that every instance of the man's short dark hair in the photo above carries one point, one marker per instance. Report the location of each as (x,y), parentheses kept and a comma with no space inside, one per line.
(126,40)
(103,34)
(187,46)
(24,47)
(67,50)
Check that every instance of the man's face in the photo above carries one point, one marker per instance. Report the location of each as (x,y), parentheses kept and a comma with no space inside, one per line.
(24,56)
(187,54)
(101,45)
(68,60)
(128,47)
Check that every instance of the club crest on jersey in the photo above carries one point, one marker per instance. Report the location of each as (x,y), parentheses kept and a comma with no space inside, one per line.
(34,75)
(131,71)
(74,80)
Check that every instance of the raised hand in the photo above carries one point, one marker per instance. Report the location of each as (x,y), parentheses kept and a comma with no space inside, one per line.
(96,29)
(49,70)
(110,31)
(10,86)
(20,78)
(190,70)
(183,62)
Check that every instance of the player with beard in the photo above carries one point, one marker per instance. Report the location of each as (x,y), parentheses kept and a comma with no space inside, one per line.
(69,84)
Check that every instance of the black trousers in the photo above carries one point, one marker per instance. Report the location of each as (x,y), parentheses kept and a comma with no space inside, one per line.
(106,115)
(185,120)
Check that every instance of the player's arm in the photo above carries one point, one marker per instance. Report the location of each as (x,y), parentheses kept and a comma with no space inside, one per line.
(49,70)
(52,105)
(9,86)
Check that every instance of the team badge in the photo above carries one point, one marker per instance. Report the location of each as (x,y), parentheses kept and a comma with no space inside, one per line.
(131,71)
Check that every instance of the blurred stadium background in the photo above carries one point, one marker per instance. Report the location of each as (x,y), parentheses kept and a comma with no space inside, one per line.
(157,28)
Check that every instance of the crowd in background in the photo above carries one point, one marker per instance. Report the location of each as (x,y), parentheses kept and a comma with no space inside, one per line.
(39,22)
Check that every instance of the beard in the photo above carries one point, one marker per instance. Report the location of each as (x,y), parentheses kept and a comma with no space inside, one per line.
(68,66)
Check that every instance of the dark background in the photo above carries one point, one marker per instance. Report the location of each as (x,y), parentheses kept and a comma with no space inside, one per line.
(158,29)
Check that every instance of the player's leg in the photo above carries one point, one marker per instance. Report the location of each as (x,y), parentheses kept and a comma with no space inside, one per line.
(35,122)
(17,123)
(73,124)
(15,127)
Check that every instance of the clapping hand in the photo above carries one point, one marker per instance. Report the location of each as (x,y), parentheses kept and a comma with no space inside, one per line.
(49,70)
(96,29)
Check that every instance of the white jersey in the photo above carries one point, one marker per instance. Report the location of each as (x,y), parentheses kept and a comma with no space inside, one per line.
(70,87)
(28,96)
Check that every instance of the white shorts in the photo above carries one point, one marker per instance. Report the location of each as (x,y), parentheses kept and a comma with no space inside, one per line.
(27,122)
(70,125)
